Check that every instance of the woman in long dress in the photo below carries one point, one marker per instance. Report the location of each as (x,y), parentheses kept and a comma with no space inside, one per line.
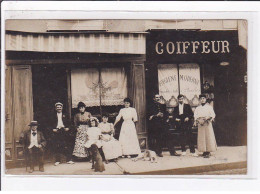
(128,135)
(111,147)
(81,121)
(203,116)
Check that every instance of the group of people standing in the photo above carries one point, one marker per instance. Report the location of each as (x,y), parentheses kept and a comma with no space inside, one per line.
(90,131)
(183,118)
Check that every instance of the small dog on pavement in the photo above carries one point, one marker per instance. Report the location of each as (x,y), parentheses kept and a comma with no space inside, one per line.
(97,162)
(147,155)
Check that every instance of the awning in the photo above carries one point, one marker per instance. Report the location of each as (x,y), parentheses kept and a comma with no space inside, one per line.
(119,43)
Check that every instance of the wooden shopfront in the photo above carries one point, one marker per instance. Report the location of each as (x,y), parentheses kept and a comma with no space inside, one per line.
(100,69)
(191,62)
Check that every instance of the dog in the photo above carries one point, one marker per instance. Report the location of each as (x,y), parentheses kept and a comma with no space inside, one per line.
(147,155)
(97,162)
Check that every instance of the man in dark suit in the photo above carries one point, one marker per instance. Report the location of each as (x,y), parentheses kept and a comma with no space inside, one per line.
(183,116)
(61,139)
(34,144)
(158,131)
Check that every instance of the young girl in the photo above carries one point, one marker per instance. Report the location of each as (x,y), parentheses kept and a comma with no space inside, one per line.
(203,116)
(111,147)
(94,136)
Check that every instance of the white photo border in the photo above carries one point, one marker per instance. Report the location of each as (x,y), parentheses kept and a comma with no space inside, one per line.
(142,10)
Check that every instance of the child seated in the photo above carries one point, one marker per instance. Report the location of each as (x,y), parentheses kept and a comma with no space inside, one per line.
(94,136)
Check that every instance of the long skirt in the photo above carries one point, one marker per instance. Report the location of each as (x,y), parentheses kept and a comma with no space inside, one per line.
(81,138)
(206,138)
(112,149)
(128,139)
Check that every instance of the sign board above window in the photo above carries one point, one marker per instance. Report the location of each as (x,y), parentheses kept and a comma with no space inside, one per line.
(174,46)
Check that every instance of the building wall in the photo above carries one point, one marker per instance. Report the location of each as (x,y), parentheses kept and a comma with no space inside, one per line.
(128,26)
(119,25)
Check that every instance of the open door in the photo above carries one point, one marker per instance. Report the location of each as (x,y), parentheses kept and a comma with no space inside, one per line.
(19,109)
(9,148)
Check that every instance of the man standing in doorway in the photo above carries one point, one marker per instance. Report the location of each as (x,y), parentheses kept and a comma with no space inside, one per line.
(158,130)
(183,116)
(62,142)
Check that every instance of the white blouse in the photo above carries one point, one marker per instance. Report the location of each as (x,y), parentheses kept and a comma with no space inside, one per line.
(127,114)
(204,111)
(94,133)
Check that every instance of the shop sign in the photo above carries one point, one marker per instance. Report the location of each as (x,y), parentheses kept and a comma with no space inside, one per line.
(193,47)
(170,45)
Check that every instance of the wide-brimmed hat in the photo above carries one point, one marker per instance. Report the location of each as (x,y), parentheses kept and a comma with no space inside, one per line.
(33,123)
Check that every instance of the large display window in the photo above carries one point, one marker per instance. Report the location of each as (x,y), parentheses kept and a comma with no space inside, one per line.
(101,89)
(175,79)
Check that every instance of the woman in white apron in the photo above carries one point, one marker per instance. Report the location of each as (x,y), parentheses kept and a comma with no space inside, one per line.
(128,135)
(203,116)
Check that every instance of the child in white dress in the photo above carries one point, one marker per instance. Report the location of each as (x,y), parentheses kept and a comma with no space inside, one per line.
(94,136)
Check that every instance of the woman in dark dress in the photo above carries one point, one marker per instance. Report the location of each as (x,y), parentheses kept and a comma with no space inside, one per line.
(81,121)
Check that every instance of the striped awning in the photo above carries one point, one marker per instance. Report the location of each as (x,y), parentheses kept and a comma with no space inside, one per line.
(119,43)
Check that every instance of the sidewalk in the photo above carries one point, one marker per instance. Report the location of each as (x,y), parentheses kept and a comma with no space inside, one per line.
(225,158)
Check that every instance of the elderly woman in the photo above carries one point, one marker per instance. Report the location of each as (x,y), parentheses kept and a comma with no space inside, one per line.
(203,116)
(111,147)
(81,120)
(128,135)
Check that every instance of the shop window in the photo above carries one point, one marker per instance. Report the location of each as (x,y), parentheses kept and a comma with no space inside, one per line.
(175,79)
(101,89)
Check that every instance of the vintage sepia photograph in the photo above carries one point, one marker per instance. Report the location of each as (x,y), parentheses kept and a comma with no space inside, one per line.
(125,97)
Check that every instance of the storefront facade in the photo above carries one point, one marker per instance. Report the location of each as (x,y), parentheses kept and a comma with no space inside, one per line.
(103,66)
(98,69)
(191,62)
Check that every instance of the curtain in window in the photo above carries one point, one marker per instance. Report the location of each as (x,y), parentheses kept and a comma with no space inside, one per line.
(92,86)
(189,76)
(188,83)
(114,86)
(168,81)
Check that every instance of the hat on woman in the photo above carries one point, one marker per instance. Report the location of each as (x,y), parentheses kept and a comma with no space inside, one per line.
(81,104)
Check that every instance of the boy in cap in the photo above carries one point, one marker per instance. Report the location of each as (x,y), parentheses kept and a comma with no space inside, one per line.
(34,144)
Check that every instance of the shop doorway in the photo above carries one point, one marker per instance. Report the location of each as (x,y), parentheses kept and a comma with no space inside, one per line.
(49,86)
(230,104)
